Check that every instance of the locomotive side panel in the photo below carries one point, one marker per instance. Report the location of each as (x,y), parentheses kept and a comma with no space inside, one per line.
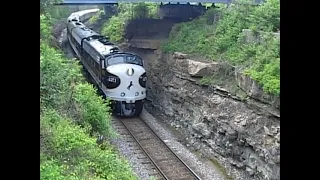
(92,58)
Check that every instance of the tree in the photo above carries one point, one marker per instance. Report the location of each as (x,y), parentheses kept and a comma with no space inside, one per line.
(46,4)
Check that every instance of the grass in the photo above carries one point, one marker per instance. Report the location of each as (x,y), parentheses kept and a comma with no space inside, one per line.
(223,40)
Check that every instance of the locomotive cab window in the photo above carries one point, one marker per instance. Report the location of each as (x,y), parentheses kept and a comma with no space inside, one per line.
(124,59)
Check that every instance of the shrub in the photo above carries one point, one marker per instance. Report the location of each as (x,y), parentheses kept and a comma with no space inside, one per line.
(70,114)
(93,108)
(114,27)
(57,77)
(222,40)
(96,17)
(45,5)
(75,155)
(50,169)
(45,26)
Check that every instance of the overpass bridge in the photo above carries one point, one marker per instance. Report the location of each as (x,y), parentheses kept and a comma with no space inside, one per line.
(169,9)
(97,2)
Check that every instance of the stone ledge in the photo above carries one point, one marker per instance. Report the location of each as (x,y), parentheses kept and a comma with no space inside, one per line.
(193,69)
(254,89)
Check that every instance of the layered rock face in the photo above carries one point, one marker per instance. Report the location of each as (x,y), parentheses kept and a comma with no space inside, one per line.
(244,131)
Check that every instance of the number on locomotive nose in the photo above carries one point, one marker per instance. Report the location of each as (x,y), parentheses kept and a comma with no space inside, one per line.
(112,79)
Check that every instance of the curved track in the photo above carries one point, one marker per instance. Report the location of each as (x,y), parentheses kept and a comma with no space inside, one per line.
(164,163)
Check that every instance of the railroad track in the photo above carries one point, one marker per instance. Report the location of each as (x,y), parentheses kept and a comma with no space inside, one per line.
(161,161)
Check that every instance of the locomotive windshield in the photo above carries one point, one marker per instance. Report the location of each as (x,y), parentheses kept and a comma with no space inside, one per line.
(125,58)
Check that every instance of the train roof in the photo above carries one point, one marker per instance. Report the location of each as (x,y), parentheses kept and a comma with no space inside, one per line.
(78,14)
(81,13)
(99,43)
(102,45)
(82,31)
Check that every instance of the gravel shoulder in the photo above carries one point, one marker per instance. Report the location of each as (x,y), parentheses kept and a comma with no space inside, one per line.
(205,169)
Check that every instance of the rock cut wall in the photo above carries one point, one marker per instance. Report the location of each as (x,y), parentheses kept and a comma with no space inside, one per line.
(246,132)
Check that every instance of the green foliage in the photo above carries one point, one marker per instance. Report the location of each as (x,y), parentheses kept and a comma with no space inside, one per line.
(59,12)
(71,116)
(269,76)
(140,11)
(75,155)
(152,10)
(93,108)
(57,77)
(50,169)
(152,178)
(45,5)
(144,10)
(206,81)
(191,37)
(265,66)
(45,27)
(114,27)
(266,17)
(62,87)
(229,28)
(96,17)
(223,40)
(262,60)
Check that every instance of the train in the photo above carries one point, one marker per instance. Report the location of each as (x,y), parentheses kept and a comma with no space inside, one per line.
(83,15)
(119,74)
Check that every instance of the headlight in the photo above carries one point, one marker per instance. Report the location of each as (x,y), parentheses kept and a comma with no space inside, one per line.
(143,80)
(130,72)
